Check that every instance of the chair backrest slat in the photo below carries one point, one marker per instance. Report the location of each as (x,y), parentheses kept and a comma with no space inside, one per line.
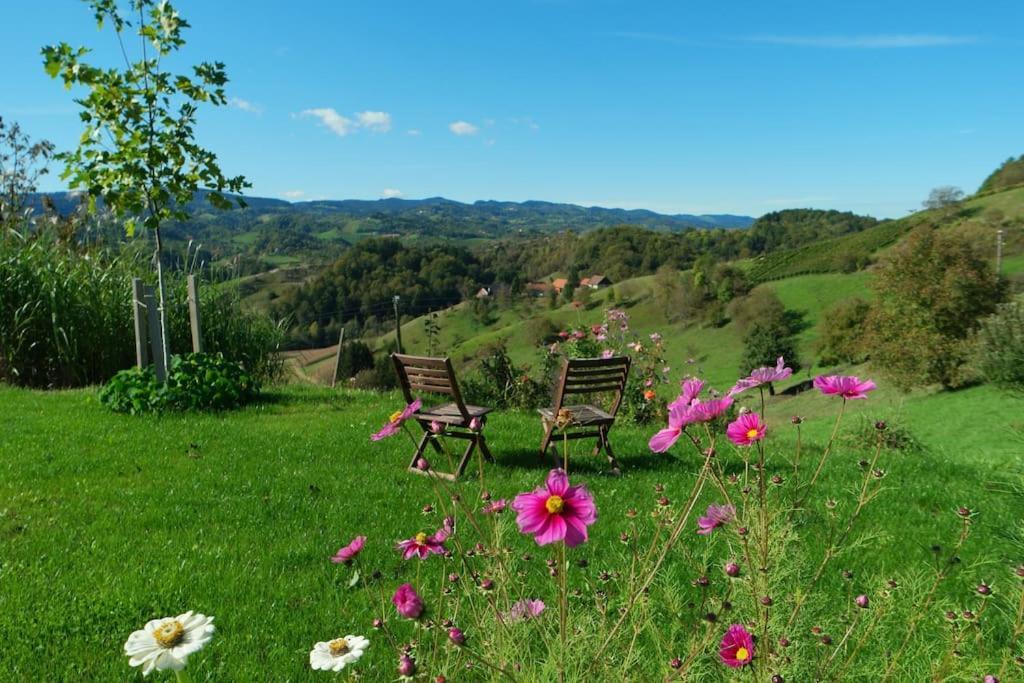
(592,376)
(419,374)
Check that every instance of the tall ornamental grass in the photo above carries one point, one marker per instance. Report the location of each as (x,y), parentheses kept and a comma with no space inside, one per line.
(66,317)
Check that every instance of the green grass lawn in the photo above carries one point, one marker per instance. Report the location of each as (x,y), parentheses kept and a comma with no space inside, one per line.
(107,521)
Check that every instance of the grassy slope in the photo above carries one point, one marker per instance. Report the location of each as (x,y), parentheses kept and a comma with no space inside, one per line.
(110,520)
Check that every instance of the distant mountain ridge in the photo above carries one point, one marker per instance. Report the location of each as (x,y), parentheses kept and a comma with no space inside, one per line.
(530,215)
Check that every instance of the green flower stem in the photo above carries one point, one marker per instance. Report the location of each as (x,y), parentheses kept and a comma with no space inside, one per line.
(181,676)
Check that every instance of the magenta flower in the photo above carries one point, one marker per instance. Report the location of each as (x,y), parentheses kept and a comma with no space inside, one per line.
(423,545)
(762,376)
(436,427)
(494,507)
(705,411)
(348,553)
(691,388)
(525,610)
(716,516)
(556,511)
(607,353)
(408,602)
(396,420)
(848,387)
(678,418)
(737,647)
(746,429)
(475,424)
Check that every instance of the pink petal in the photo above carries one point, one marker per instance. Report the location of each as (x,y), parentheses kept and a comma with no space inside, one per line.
(553,530)
(664,440)
(558,482)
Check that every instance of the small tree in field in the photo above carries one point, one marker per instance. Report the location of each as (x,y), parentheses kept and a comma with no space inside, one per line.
(22,163)
(942,197)
(764,342)
(138,152)
(930,296)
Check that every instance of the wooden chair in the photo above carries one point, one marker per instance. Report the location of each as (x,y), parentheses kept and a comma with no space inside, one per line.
(418,375)
(585,421)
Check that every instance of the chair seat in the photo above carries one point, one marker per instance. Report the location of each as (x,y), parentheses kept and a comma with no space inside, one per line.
(583,415)
(449,414)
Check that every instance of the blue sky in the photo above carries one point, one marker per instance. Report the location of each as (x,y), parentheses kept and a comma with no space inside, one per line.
(739,107)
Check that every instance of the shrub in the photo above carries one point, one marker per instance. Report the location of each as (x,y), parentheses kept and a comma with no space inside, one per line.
(840,338)
(380,377)
(999,347)
(929,299)
(195,381)
(355,357)
(500,383)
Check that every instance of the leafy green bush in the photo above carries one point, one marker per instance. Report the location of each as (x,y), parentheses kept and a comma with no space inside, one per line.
(498,382)
(999,347)
(196,381)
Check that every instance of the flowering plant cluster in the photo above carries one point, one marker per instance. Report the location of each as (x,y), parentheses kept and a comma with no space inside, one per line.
(614,337)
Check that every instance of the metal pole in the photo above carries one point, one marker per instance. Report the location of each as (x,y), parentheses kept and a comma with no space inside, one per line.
(999,252)
(337,358)
(398,324)
(141,323)
(195,319)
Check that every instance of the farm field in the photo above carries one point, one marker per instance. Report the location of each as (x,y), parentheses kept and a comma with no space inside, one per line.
(109,520)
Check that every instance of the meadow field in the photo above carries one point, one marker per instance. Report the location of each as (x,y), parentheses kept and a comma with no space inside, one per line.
(109,520)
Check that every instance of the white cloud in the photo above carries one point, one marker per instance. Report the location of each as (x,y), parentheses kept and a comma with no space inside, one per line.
(245,105)
(332,119)
(390,192)
(870,42)
(463,128)
(293,194)
(413,132)
(375,121)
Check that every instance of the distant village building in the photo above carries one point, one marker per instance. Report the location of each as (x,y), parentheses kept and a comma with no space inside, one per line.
(538,288)
(595,282)
(559,284)
(483,293)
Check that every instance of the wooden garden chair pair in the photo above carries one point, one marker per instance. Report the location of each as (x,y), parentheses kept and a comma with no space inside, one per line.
(418,375)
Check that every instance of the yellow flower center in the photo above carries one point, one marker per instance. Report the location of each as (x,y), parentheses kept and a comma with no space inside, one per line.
(554,504)
(742,654)
(395,415)
(421,538)
(751,433)
(169,633)
(338,647)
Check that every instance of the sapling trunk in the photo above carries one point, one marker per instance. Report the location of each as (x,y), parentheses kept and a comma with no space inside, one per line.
(162,308)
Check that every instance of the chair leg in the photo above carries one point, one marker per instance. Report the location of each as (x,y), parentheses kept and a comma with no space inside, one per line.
(608,451)
(465,458)
(545,443)
(482,442)
(419,450)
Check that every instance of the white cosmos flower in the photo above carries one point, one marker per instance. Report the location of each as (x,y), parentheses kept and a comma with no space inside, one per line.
(335,654)
(167,643)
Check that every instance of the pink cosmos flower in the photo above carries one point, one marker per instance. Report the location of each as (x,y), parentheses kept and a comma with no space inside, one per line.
(494,507)
(524,610)
(737,647)
(635,346)
(408,602)
(746,429)
(705,411)
(556,511)
(607,353)
(436,427)
(716,516)
(475,424)
(848,387)
(579,334)
(691,388)
(762,376)
(678,418)
(348,553)
(396,420)
(655,337)
(423,545)
(563,334)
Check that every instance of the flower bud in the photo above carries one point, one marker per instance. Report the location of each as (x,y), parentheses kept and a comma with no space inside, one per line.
(676,663)
(796,419)
(766,601)
(663,501)
(984,589)
(732,569)
(968,615)
(826,640)
(422,464)
(1020,570)
(776,479)
(861,601)
(743,531)
(428,509)
(406,666)
(990,679)
(631,513)
(847,574)
(457,637)
(702,582)
(783,642)
(964,512)
(659,488)
(777,678)
(378,623)
(880,425)
(487,585)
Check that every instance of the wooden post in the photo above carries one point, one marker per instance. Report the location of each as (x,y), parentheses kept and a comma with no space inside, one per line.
(141,326)
(398,324)
(337,358)
(193,314)
(155,334)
